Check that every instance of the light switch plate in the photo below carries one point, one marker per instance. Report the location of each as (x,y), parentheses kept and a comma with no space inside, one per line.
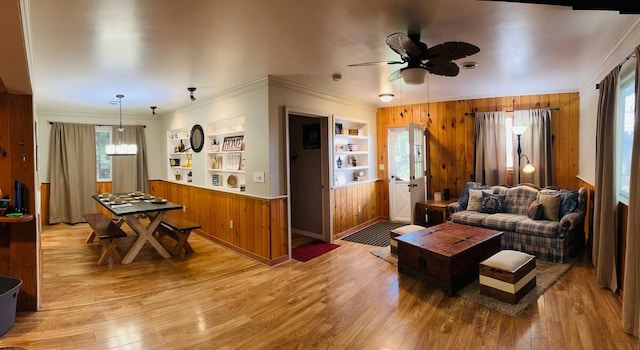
(258,176)
(381,167)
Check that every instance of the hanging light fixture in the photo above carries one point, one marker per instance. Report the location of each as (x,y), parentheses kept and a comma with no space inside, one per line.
(121,149)
(153,110)
(191,90)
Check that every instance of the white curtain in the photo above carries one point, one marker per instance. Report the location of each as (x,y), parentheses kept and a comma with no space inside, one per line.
(605,201)
(129,173)
(535,144)
(490,145)
(631,299)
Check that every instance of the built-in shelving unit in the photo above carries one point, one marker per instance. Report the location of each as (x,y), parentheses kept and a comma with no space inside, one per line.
(226,154)
(180,155)
(351,157)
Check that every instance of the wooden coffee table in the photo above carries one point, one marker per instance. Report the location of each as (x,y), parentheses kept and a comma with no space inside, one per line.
(448,254)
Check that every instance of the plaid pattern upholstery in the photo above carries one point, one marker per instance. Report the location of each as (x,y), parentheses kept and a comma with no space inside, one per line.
(499,189)
(546,248)
(544,228)
(469,217)
(519,198)
(503,221)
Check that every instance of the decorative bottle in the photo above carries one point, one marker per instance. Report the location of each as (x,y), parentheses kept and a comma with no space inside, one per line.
(339,162)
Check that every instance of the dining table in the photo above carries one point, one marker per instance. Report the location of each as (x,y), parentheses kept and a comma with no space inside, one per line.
(130,211)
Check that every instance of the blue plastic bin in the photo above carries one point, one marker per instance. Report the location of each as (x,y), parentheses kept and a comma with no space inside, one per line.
(9,288)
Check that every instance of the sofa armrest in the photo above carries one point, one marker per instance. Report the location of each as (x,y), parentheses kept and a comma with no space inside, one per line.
(454,207)
(570,221)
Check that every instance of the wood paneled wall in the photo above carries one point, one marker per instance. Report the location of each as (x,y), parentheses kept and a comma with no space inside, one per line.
(451,137)
(346,202)
(18,244)
(259,225)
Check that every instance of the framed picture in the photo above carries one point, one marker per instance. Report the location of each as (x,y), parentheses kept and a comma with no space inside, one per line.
(311,136)
(233,143)
(338,128)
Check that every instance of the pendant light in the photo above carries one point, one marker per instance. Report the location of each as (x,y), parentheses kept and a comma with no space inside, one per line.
(121,149)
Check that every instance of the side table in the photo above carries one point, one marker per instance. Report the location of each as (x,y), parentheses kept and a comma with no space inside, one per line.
(432,212)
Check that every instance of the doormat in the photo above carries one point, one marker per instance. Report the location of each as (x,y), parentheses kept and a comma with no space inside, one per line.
(376,234)
(312,250)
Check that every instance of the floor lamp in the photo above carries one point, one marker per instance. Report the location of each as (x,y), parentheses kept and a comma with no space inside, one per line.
(528,168)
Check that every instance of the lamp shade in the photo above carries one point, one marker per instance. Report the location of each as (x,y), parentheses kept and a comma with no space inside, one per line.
(528,168)
(413,76)
(519,129)
(121,149)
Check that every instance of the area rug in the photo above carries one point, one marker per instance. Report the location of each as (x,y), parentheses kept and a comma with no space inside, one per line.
(312,250)
(547,273)
(376,234)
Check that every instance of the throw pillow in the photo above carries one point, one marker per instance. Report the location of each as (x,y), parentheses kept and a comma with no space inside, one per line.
(550,205)
(475,199)
(463,200)
(535,211)
(492,203)
(569,201)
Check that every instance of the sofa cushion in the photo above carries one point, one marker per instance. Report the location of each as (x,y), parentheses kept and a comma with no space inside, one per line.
(467,217)
(519,198)
(464,195)
(492,203)
(502,221)
(550,205)
(475,199)
(543,228)
(535,211)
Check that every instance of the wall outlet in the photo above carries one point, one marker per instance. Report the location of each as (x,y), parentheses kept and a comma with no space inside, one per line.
(230,223)
(258,176)
(184,208)
(359,209)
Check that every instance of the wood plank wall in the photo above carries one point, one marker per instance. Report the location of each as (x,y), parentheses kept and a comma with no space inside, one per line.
(19,248)
(451,137)
(347,200)
(259,225)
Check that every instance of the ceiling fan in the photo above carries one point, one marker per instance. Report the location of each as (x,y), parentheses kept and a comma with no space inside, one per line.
(421,59)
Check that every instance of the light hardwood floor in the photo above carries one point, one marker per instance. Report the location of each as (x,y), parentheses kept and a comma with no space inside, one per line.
(345,299)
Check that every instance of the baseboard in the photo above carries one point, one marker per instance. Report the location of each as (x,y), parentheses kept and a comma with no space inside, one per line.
(243,252)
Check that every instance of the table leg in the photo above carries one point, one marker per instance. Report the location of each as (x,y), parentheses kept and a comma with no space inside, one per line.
(145,234)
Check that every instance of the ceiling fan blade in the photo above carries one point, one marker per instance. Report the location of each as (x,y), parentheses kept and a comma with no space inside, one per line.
(373,63)
(448,69)
(397,42)
(395,75)
(451,50)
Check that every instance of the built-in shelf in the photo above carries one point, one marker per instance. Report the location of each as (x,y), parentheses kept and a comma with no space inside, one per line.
(351,143)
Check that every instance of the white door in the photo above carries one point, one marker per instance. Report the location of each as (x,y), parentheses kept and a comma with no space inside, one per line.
(417,159)
(399,175)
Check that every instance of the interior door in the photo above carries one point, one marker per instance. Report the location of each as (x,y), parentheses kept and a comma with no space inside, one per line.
(417,161)
(399,175)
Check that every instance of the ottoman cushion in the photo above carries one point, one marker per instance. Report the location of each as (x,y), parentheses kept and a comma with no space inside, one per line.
(508,275)
(402,230)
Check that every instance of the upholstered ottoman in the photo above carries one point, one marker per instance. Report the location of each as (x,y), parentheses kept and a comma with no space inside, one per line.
(402,230)
(508,275)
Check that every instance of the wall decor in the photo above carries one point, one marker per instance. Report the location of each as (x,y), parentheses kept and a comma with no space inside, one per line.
(233,143)
(197,138)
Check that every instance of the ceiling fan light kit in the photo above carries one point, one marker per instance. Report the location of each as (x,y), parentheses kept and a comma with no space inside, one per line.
(385,97)
(121,149)
(413,76)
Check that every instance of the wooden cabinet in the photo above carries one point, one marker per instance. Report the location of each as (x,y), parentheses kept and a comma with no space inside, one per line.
(226,154)
(351,156)
(432,212)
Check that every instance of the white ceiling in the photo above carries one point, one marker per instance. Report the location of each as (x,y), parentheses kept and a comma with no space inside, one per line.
(85,52)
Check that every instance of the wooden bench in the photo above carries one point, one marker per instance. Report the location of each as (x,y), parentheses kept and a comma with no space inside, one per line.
(109,234)
(179,230)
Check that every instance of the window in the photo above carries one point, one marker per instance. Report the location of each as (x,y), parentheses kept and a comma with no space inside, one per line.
(401,156)
(626,110)
(508,124)
(103,161)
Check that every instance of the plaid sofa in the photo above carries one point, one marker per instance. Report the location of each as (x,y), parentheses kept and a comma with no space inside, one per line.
(555,241)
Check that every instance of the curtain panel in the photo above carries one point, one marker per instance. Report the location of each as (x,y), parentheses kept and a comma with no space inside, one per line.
(535,144)
(605,200)
(72,172)
(129,173)
(631,300)
(490,146)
